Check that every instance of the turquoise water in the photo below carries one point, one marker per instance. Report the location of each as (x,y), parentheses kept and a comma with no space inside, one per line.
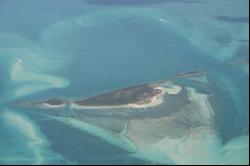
(83,48)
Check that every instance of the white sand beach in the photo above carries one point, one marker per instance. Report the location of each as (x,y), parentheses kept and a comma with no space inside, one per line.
(50,106)
(154,101)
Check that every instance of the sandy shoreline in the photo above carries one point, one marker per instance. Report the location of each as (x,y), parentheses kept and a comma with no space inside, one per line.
(50,106)
(155,100)
(169,138)
(206,110)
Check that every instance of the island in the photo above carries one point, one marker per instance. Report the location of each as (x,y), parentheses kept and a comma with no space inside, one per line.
(53,103)
(133,97)
(161,117)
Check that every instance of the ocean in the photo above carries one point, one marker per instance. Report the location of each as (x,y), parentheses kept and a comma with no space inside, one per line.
(81,48)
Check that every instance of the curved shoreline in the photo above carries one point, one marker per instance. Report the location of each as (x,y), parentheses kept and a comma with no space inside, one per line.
(154,101)
(149,97)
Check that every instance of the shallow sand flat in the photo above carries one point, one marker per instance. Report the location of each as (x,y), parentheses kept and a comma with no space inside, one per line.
(108,136)
(205,111)
(113,124)
(200,147)
(202,79)
(144,132)
(29,78)
(45,105)
(198,113)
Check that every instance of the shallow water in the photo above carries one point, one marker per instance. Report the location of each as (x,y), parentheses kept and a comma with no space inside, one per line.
(84,48)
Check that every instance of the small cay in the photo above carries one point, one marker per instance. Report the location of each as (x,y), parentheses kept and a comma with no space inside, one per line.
(53,102)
